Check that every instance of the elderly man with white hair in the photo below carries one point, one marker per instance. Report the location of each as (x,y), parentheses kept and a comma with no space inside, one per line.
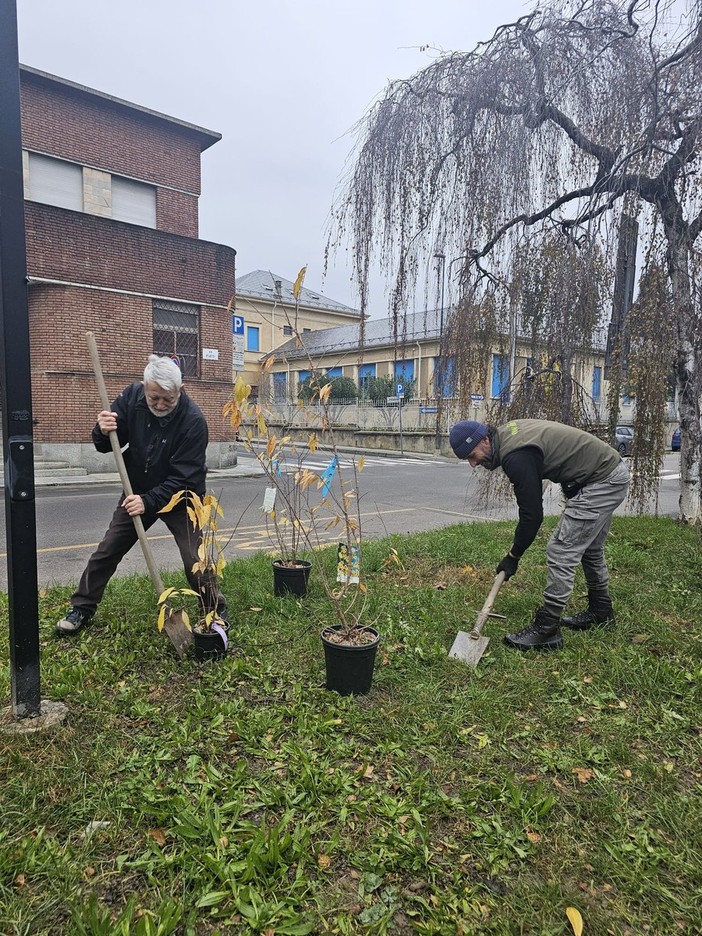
(167,436)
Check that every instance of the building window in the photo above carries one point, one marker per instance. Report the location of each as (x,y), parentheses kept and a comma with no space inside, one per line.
(55,182)
(500,376)
(280,387)
(596,383)
(287,330)
(445,376)
(134,202)
(365,373)
(333,372)
(404,376)
(177,334)
(253,335)
(305,330)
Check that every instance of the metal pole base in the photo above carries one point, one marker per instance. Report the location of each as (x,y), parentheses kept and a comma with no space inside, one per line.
(52,714)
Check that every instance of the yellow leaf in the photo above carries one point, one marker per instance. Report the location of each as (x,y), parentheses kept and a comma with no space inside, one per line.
(241,391)
(325,392)
(268,364)
(161,618)
(298,282)
(361,463)
(324,861)
(261,424)
(312,443)
(576,920)
(193,516)
(164,596)
(173,502)
(186,619)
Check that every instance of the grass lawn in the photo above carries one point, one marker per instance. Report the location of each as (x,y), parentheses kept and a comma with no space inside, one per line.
(243,797)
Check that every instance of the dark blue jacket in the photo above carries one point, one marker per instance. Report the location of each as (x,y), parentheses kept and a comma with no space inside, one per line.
(164,455)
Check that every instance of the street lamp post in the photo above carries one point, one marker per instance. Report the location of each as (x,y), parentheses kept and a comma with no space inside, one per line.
(16,391)
(439,370)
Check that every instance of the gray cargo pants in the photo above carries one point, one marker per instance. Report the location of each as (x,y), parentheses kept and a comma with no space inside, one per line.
(580,536)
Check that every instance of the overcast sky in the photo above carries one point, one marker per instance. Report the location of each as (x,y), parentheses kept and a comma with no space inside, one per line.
(283,82)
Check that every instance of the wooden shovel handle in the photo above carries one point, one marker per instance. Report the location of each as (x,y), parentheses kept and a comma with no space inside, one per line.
(487,607)
(121,467)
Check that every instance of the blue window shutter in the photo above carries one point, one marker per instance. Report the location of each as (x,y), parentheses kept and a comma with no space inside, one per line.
(596,383)
(500,374)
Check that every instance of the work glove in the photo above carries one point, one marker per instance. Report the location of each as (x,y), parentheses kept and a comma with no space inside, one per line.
(508,565)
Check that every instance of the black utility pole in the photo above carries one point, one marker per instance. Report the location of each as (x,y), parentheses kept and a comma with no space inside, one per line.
(16,390)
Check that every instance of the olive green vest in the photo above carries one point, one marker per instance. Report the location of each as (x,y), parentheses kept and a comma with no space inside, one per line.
(570,455)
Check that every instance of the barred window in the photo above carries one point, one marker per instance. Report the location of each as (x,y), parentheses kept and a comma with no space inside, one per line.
(177,334)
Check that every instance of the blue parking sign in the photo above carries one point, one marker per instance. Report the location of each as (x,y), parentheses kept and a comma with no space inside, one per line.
(237,324)
(400,390)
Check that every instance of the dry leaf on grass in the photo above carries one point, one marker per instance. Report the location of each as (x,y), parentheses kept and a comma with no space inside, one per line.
(584,774)
(576,920)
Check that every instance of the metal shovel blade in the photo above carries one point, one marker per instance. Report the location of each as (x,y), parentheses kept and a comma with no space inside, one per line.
(469,646)
(469,649)
(179,635)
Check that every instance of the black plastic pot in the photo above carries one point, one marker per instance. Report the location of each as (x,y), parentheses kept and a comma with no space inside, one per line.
(291,580)
(350,666)
(209,645)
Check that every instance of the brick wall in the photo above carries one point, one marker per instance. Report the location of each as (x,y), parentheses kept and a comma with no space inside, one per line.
(64,393)
(109,271)
(71,124)
(80,248)
(76,248)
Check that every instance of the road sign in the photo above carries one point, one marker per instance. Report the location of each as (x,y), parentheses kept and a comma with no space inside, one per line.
(428,409)
(392,399)
(400,390)
(237,324)
(237,352)
(476,398)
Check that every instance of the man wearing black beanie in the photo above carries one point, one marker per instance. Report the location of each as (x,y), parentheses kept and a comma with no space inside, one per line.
(594,481)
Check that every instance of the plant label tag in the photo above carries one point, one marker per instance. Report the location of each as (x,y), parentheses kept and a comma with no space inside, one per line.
(268,500)
(354,577)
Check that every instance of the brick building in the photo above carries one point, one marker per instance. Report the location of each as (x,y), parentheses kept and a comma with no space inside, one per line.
(111,210)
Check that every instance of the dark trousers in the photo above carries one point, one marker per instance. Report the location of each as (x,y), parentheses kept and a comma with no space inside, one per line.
(121,535)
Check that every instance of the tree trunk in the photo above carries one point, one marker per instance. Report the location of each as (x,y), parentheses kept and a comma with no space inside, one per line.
(687,379)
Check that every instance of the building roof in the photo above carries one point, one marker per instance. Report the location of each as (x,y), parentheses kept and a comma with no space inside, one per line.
(420,326)
(262,284)
(206,138)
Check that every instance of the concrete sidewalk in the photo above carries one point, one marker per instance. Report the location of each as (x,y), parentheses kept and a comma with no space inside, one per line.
(249,470)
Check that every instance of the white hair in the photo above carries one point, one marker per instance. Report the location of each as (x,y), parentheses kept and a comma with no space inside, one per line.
(164,372)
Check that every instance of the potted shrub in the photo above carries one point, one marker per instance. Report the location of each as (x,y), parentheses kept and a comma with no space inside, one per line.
(286,501)
(210,636)
(301,519)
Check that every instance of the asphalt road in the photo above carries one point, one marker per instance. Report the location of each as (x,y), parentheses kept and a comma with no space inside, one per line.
(398,495)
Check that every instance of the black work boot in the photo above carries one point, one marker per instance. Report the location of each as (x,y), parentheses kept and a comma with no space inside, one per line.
(599,612)
(543,634)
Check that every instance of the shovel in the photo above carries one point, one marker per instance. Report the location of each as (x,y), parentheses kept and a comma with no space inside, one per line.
(470,647)
(174,626)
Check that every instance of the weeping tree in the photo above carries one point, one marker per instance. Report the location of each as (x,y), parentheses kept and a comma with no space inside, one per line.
(577,114)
